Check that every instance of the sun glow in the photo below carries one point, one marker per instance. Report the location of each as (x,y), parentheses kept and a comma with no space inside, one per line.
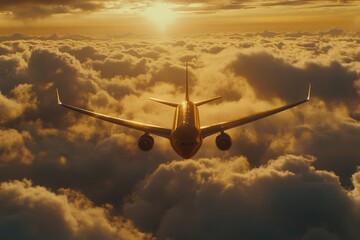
(161,14)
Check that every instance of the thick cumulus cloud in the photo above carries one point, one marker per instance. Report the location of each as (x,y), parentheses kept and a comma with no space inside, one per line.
(214,199)
(33,212)
(12,108)
(332,83)
(57,148)
(9,109)
(13,148)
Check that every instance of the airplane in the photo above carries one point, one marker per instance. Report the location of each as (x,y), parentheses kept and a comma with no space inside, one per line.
(187,134)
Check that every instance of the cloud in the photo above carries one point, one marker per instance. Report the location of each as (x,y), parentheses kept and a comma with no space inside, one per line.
(212,198)
(126,67)
(13,147)
(277,78)
(34,212)
(9,109)
(57,148)
(10,71)
(23,9)
(4,50)
(83,53)
(210,6)
(12,108)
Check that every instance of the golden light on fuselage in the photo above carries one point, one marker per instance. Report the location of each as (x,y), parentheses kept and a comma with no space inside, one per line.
(161,14)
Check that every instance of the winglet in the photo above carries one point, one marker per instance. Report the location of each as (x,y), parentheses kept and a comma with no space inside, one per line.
(58,97)
(309,92)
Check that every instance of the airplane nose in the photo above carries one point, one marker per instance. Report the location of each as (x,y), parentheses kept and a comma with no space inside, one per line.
(186,155)
(187,149)
(186,141)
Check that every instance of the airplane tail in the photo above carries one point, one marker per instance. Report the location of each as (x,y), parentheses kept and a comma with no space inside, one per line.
(187,98)
(187,84)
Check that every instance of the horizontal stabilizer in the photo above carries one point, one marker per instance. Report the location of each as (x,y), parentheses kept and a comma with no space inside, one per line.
(172,104)
(199,103)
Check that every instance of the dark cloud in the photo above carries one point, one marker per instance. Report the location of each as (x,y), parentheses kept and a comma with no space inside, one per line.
(210,6)
(124,67)
(216,49)
(217,195)
(19,36)
(41,125)
(15,36)
(33,212)
(13,147)
(11,72)
(24,9)
(333,89)
(334,32)
(273,77)
(10,109)
(22,100)
(4,50)
(177,73)
(212,199)
(287,3)
(83,53)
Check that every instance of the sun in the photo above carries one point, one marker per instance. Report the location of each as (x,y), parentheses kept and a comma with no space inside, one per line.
(161,14)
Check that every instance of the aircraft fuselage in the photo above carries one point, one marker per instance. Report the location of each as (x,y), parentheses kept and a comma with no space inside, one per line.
(185,136)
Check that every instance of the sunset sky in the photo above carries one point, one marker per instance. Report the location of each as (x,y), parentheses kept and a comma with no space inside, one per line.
(178,17)
(294,175)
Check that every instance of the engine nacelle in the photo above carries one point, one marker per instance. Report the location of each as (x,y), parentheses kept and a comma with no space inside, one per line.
(146,142)
(223,141)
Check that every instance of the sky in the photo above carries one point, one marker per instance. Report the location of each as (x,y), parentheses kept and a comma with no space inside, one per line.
(294,175)
(105,17)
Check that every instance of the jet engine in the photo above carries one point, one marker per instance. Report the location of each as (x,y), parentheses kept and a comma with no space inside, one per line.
(146,142)
(223,141)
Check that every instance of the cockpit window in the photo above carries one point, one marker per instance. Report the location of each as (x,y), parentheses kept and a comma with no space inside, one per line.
(184,144)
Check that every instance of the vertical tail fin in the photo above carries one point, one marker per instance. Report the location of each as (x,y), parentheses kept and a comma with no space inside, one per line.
(187,84)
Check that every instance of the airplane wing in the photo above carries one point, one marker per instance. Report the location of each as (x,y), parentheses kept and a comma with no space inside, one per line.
(147,128)
(219,127)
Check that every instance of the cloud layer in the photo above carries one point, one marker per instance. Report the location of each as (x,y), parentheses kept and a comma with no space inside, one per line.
(213,198)
(33,212)
(23,9)
(158,192)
